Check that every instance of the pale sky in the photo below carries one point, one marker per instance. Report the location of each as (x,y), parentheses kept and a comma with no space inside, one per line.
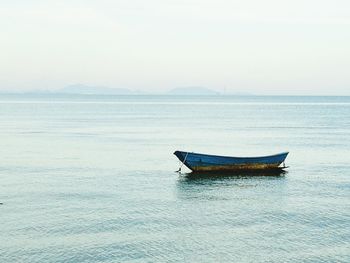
(263,47)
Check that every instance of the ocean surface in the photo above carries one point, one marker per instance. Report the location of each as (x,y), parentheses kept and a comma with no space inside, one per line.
(91,179)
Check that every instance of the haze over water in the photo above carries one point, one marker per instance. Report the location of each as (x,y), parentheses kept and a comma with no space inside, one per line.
(91,178)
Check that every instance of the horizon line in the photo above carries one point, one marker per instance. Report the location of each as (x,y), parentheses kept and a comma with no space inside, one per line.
(166,93)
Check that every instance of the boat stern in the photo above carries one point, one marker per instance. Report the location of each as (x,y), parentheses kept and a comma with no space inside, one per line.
(283,157)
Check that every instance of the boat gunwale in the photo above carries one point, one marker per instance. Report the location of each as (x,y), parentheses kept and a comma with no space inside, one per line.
(224,156)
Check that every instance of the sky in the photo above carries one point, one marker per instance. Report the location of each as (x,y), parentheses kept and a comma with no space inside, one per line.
(280,47)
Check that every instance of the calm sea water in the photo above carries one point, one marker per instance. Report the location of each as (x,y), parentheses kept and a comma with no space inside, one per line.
(91,179)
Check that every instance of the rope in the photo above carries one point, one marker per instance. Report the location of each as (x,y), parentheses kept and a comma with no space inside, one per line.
(182,163)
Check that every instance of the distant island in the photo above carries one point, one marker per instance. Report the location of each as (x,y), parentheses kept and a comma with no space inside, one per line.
(82,89)
(85,89)
(193,91)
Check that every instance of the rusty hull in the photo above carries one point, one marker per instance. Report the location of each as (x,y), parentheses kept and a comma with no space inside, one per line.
(234,167)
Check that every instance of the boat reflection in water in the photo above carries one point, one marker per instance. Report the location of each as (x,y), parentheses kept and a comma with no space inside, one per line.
(234,174)
(242,186)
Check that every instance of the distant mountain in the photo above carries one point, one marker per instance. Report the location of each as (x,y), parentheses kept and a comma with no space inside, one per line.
(85,89)
(193,91)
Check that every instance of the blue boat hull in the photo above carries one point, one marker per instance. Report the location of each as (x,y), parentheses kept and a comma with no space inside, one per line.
(205,163)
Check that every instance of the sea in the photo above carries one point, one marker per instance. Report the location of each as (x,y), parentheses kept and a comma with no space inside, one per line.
(91,178)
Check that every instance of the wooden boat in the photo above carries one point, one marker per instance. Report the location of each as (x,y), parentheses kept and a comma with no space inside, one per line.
(198,162)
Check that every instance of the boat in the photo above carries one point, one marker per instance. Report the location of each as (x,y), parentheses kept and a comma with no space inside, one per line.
(198,162)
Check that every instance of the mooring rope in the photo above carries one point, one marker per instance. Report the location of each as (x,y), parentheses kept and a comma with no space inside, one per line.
(182,163)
